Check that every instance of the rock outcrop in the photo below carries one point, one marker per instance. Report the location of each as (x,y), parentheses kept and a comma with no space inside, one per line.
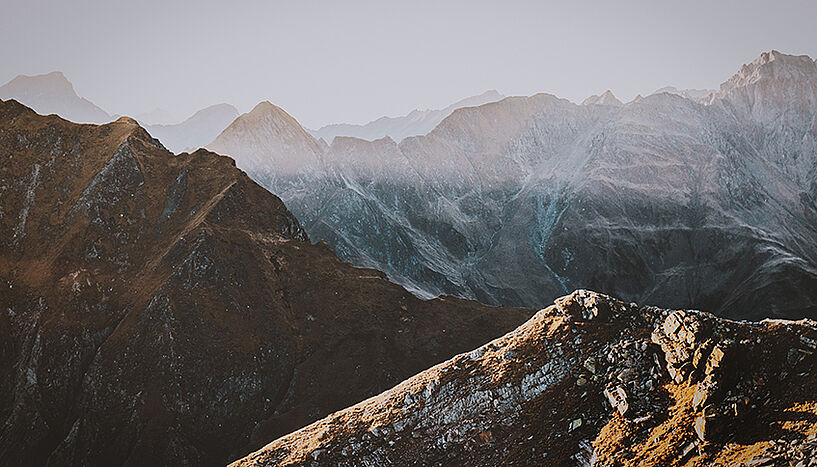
(708,203)
(167,310)
(590,380)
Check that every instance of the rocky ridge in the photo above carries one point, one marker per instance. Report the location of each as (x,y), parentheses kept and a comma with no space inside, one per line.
(590,380)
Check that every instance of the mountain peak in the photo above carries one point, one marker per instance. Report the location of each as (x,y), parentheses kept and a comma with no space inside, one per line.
(606,98)
(53,84)
(773,86)
(53,93)
(776,62)
(771,66)
(264,106)
(265,110)
(280,137)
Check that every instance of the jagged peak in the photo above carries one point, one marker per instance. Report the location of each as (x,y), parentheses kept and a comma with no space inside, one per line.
(780,61)
(767,57)
(770,66)
(606,98)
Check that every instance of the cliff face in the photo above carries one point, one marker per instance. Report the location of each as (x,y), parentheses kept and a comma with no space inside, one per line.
(162,309)
(706,203)
(587,381)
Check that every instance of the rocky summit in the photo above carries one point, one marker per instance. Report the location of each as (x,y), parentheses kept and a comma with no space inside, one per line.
(162,309)
(687,201)
(590,381)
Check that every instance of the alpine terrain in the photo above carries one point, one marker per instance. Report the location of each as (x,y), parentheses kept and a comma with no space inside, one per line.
(673,199)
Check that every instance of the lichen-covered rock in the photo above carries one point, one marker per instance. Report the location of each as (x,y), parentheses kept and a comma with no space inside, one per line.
(483,408)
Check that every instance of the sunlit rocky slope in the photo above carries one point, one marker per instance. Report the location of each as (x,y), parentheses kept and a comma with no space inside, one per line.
(590,381)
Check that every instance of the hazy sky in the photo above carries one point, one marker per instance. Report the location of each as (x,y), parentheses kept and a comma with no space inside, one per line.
(353,61)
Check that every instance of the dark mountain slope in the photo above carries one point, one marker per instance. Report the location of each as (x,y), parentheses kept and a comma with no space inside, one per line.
(162,309)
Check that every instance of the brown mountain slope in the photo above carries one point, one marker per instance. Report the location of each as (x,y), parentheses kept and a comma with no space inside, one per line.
(163,310)
(590,381)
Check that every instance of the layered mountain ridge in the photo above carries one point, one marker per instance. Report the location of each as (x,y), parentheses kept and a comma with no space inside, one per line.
(416,123)
(179,314)
(684,202)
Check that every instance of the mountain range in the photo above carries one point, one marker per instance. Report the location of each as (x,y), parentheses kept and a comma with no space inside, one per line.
(169,309)
(416,123)
(707,202)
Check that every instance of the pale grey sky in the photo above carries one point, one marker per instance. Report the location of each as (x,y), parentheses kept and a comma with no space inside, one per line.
(353,61)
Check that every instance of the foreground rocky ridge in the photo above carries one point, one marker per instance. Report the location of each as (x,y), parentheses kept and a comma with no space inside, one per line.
(708,202)
(167,310)
(590,380)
